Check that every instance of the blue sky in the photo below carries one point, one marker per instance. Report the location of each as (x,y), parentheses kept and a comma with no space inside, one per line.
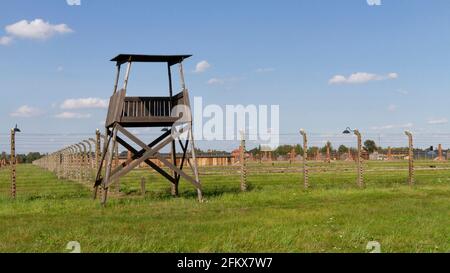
(259,52)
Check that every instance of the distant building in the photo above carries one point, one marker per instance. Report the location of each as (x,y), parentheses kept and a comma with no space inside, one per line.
(203,159)
(377,156)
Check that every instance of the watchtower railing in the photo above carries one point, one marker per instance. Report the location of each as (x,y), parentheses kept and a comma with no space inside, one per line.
(147,107)
(141,109)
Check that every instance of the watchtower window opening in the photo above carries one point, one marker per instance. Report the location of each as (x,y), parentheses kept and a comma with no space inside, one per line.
(151,79)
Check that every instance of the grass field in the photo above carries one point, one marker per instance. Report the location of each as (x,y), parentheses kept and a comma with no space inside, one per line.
(276,215)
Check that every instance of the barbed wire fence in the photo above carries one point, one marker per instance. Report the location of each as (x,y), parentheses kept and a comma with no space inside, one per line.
(330,160)
(77,161)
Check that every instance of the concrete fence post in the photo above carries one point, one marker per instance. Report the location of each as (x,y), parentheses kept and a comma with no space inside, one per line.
(79,167)
(243,163)
(292,156)
(83,162)
(97,148)
(143,190)
(72,162)
(328,152)
(410,158)
(305,159)
(64,163)
(13,164)
(440,153)
(359,160)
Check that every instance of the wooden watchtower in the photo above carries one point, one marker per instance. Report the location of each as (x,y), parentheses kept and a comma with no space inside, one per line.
(130,112)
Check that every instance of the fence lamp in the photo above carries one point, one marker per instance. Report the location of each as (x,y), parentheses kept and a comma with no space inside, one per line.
(16,129)
(348,131)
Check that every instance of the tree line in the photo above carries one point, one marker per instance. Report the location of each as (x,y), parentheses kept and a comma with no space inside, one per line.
(24,158)
(369,146)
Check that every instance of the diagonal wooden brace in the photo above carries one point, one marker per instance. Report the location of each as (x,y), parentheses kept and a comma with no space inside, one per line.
(136,156)
(149,153)
(155,152)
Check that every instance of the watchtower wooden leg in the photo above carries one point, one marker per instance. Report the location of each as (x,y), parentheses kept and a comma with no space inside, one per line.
(104,154)
(104,196)
(174,162)
(195,166)
(109,158)
(116,164)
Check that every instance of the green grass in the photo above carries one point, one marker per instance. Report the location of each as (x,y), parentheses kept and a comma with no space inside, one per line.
(276,215)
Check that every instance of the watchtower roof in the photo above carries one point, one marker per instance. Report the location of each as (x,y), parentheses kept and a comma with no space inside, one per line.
(169,59)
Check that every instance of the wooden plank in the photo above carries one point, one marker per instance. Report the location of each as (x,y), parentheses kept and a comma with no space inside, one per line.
(154,152)
(110,152)
(132,137)
(109,116)
(152,144)
(180,172)
(169,73)
(148,161)
(99,171)
(149,119)
(146,98)
(115,108)
(172,166)
(146,109)
(142,144)
(128,168)
(160,171)
(184,148)
(149,153)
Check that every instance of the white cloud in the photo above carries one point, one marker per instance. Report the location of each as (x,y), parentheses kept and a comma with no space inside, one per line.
(391,76)
(5,40)
(26,111)
(221,81)
(216,81)
(202,67)
(392,126)
(73,2)
(361,77)
(265,70)
(402,92)
(392,108)
(36,29)
(84,103)
(337,79)
(438,121)
(407,125)
(374,2)
(72,115)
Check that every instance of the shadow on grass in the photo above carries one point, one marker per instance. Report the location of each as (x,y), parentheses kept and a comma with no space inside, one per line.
(188,192)
(216,191)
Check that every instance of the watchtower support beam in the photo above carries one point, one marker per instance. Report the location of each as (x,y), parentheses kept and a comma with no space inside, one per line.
(116,82)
